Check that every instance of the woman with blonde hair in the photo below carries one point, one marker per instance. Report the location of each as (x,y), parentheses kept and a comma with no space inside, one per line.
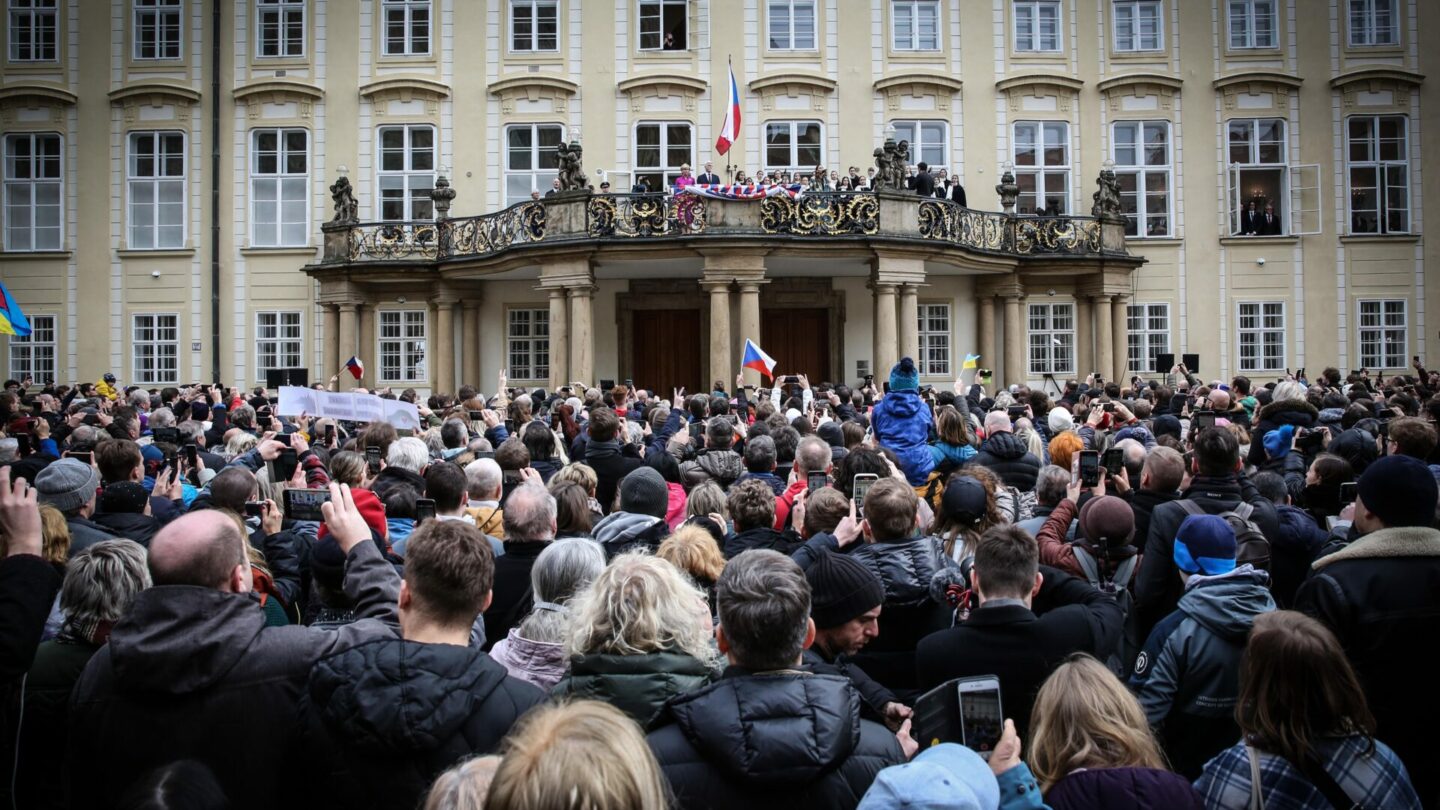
(1090,745)
(55,537)
(583,754)
(694,551)
(463,786)
(584,475)
(639,636)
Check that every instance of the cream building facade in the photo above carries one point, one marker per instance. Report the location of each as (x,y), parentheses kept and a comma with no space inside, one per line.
(167,164)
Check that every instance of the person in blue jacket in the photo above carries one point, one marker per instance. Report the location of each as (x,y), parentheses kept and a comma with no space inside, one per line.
(901,422)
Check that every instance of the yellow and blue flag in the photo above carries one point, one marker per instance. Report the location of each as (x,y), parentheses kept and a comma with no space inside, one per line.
(12,320)
(971,361)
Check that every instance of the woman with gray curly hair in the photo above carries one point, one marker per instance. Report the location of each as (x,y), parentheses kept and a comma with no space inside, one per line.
(639,636)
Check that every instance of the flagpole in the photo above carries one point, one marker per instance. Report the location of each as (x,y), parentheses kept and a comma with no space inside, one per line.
(730,73)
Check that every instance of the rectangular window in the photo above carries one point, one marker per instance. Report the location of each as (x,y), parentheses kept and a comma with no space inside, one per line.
(279,180)
(32,177)
(1042,167)
(792,25)
(1037,26)
(402,345)
(929,141)
(664,24)
(1149,330)
(794,145)
(1262,335)
(155,340)
(529,344)
(1141,151)
(33,25)
(277,341)
(1252,24)
(1373,22)
(157,29)
(407,172)
(1138,26)
(1378,155)
(530,159)
(282,27)
(660,150)
(1383,334)
(935,340)
(156,187)
(1258,175)
(34,356)
(407,27)
(534,26)
(1052,339)
(915,25)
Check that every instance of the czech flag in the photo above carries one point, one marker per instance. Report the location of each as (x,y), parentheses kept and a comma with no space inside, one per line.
(756,358)
(12,320)
(355,367)
(730,129)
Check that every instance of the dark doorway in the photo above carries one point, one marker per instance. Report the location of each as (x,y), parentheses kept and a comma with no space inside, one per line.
(667,350)
(799,340)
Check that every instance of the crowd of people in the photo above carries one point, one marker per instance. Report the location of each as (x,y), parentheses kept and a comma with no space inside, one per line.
(1187,594)
(919,178)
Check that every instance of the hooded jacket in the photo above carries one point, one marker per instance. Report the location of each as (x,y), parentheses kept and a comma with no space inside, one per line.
(1187,677)
(637,685)
(619,531)
(724,467)
(1009,458)
(539,663)
(902,423)
(1292,549)
(1135,788)
(193,673)
(382,720)
(772,740)
(1299,413)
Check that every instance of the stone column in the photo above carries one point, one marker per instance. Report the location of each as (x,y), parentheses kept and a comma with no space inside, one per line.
(582,344)
(910,322)
(1017,349)
(442,375)
(1105,342)
(345,344)
(1119,334)
(470,336)
(750,325)
(720,365)
(886,351)
(559,339)
(986,339)
(330,325)
(1084,337)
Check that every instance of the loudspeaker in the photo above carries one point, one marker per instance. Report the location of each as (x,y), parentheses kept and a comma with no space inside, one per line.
(276,377)
(1164,362)
(1192,362)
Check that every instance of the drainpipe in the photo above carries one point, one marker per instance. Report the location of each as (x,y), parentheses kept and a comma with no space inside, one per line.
(215,18)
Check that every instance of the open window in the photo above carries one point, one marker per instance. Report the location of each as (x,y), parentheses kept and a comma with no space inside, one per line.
(664,25)
(1268,196)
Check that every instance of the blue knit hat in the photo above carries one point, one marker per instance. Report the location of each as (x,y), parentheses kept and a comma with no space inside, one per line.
(904,376)
(1279,440)
(1205,544)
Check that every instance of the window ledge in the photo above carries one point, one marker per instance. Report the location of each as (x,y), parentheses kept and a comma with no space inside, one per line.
(1157,241)
(155,253)
(1380,238)
(665,56)
(296,250)
(1259,240)
(28,255)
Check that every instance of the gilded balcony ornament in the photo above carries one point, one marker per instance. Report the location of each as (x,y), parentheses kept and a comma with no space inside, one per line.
(821,214)
(631,216)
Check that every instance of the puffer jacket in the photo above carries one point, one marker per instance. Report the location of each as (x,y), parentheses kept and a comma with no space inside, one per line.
(949,455)
(771,740)
(638,685)
(1187,677)
(723,467)
(915,574)
(777,484)
(538,663)
(383,719)
(761,537)
(902,423)
(619,531)
(1299,413)
(1136,788)
(1331,418)
(1009,458)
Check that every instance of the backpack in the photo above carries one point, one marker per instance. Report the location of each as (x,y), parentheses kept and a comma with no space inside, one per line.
(1118,586)
(1251,547)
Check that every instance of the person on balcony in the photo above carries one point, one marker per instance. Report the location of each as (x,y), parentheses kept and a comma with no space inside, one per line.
(709,177)
(956,191)
(642,186)
(685,178)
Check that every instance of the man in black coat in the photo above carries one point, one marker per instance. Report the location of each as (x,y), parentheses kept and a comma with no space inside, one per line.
(607,457)
(1030,618)
(708,177)
(28,583)
(1160,481)
(383,719)
(1006,455)
(1250,220)
(529,520)
(1218,486)
(924,181)
(767,733)
(192,672)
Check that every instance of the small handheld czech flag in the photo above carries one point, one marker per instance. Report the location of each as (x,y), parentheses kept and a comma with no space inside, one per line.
(756,358)
(355,367)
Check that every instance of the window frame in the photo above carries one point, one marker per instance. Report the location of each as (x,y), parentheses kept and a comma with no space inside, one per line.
(1034,7)
(916,43)
(944,339)
(1236,169)
(157,9)
(280,340)
(916,126)
(663,146)
(158,155)
(282,9)
(33,183)
(40,324)
(1049,365)
(136,345)
(279,178)
(659,34)
(1143,171)
(1382,169)
(407,174)
(33,12)
(534,7)
(1159,9)
(791,7)
(538,315)
(407,9)
(1146,363)
(537,175)
(793,127)
(1382,329)
(413,371)
(1040,169)
(1370,10)
(1258,333)
(1249,19)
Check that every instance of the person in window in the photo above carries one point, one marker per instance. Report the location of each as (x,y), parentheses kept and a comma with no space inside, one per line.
(605,187)
(685,178)
(671,44)
(642,186)
(1270,222)
(708,177)
(535,195)
(1250,220)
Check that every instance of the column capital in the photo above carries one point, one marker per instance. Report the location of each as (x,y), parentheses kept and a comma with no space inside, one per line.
(1004,287)
(716,285)
(751,285)
(581,290)
(555,292)
(349,306)
(470,303)
(883,287)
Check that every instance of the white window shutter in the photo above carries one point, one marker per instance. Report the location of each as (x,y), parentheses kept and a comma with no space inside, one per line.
(1305,199)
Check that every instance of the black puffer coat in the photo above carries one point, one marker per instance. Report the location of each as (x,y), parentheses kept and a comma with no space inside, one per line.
(383,719)
(1009,458)
(775,740)
(915,574)
(1295,412)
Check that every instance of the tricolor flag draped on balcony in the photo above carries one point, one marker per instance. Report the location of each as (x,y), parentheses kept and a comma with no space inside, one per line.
(730,129)
(756,358)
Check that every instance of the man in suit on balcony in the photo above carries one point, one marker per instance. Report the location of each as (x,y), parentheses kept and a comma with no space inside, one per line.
(924,181)
(708,177)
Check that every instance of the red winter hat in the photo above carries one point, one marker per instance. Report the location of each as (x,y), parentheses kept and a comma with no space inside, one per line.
(371,509)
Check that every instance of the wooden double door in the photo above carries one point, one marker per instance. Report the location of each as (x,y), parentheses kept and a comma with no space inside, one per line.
(669,349)
(799,340)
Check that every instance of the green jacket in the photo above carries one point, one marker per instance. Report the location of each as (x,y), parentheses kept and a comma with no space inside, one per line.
(637,685)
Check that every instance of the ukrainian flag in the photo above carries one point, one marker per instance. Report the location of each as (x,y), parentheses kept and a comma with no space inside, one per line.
(12,320)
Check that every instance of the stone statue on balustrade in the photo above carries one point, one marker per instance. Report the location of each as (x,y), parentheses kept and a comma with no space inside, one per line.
(346,208)
(572,174)
(1107,197)
(891,161)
